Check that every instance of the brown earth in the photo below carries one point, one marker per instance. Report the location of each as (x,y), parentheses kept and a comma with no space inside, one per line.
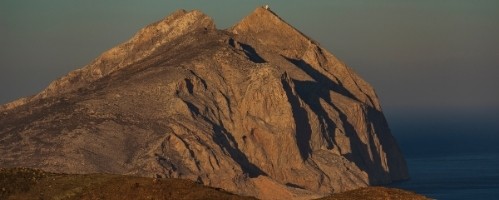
(376,193)
(23,183)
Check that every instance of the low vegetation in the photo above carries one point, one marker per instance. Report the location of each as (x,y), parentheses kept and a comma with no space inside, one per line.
(24,183)
(376,193)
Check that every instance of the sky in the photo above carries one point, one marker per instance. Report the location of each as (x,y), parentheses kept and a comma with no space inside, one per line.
(424,58)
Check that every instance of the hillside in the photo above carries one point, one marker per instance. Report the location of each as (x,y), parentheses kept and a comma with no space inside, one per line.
(23,183)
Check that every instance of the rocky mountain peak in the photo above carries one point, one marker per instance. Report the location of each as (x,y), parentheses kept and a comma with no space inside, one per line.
(276,41)
(141,45)
(271,30)
(146,41)
(261,20)
(258,109)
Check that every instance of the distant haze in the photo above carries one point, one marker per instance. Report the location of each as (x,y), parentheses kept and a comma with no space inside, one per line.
(420,56)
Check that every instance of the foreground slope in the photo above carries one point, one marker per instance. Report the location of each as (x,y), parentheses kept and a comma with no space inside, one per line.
(22,183)
(258,109)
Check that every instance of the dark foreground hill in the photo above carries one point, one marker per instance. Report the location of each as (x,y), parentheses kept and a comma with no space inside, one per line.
(258,109)
(22,183)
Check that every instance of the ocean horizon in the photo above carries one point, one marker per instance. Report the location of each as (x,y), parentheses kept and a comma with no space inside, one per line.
(450,157)
(454,176)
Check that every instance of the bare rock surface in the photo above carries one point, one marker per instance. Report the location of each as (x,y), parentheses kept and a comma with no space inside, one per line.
(258,109)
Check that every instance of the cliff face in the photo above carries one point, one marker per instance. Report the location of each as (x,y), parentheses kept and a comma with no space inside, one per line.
(258,109)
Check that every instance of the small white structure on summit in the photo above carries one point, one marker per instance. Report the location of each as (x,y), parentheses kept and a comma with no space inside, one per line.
(266,6)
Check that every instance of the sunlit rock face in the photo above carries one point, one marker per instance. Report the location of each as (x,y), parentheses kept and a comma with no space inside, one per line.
(258,109)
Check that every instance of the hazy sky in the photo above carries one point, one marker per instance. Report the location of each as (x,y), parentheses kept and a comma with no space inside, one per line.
(423,56)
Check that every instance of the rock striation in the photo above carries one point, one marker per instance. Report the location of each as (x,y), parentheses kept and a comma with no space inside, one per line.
(258,109)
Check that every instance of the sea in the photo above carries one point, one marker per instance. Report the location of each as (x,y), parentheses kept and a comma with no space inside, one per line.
(450,158)
(464,176)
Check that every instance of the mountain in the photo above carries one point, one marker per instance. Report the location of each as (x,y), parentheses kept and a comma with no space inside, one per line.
(258,109)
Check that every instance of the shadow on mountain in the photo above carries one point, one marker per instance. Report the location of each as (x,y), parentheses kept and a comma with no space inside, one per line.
(303,129)
(224,139)
(248,50)
(312,92)
(321,78)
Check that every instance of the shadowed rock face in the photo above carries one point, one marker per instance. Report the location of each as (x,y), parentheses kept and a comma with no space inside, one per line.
(258,109)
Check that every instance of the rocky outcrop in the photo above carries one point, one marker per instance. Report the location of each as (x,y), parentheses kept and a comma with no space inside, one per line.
(258,109)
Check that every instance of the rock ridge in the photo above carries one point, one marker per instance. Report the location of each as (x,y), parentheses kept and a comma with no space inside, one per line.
(141,45)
